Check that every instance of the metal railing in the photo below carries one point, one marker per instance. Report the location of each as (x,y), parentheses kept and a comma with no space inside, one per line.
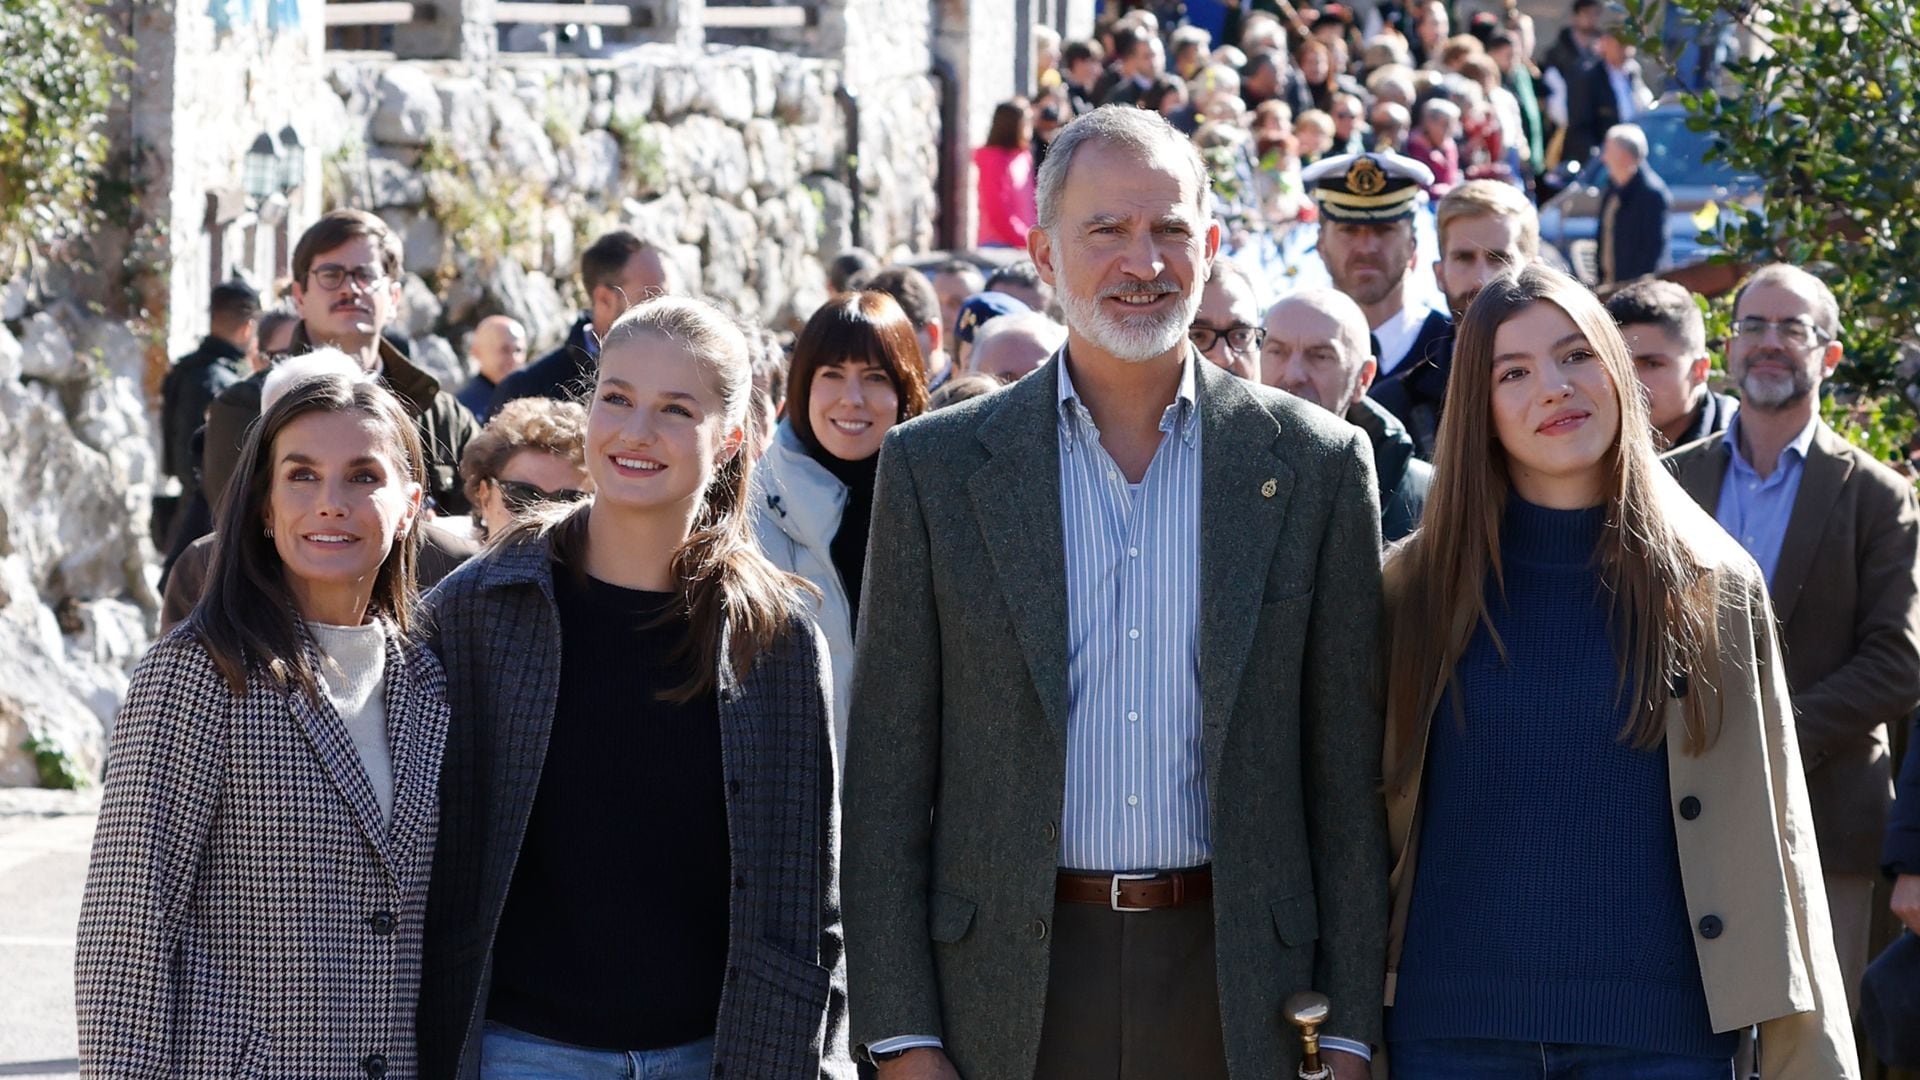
(363,24)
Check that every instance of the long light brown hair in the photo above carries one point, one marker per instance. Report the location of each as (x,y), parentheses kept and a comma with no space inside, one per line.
(721,578)
(1663,606)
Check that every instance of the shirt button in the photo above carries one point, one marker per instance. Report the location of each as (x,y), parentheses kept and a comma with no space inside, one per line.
(1133,553)
(1133,800)
(1134,633)
(1133,717)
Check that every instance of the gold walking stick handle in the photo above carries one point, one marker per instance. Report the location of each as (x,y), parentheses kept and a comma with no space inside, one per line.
(1307,1010)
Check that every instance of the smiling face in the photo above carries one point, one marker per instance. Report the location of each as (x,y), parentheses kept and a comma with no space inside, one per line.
(852,405)
(657,428)
(1555,410)
(1128,256)
(1772,372)
(526,472)
(352,315)
(338,499)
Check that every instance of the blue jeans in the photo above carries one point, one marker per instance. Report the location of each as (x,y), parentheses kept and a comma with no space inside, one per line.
(1504,1059)
(511,1054)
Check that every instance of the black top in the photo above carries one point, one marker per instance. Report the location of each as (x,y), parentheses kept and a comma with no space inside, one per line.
(849,547)
(615,929)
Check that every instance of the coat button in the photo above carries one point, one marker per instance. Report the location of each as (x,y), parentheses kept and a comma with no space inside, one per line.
(1710,927)
(1689,808)
(733,787)
(740,882)
(1053,832)
(383,922)
(374,1065)
(1039,929)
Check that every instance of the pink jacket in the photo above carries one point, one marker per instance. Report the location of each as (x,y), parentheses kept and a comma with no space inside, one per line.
(1006,195)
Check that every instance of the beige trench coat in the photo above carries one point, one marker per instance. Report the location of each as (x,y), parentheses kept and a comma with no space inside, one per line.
(1747,855)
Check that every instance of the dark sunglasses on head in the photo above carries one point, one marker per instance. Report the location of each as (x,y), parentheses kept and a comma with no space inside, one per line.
(519,495)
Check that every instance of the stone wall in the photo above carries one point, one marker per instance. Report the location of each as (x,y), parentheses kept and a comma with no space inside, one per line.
(733,159)
(76,598)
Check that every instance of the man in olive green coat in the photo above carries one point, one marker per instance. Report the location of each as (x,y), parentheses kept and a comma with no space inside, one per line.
(1113,762)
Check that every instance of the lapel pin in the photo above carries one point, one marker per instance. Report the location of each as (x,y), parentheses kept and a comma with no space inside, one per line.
(1267,489)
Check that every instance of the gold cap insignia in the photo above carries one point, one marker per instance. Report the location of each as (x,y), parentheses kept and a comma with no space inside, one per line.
(1267,489)
(1364,177)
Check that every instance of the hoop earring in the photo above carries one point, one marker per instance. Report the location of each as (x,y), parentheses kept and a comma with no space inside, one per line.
(268,532)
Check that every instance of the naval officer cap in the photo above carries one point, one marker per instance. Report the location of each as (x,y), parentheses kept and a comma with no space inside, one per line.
(1367,188)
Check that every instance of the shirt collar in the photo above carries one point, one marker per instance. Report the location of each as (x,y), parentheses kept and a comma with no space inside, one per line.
(1798,447)
(1182,414)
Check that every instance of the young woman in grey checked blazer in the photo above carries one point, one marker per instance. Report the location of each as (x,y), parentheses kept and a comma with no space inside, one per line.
(259,875)
(637,869)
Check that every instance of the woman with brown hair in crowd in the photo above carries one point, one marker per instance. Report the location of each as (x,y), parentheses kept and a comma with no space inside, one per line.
(856,372)
(637,873)
(258,887)
(1604,858)
(1007,177)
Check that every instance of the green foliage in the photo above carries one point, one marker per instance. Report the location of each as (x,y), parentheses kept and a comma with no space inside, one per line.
(481,212)
(58,72)
(1829,117)
(55,766)
(645,160)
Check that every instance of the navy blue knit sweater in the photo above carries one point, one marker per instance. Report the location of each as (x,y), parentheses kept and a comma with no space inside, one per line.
(1547,904)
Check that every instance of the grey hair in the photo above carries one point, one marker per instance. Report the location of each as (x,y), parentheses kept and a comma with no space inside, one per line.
(1631,137)
(295,370)
(1042,330)
(1141,131)
(1826,309)
(1354,331)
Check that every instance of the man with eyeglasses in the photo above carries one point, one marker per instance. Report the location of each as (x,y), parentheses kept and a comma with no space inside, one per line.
(346,285)
(1837,535)
(1227,329)
(1317,347)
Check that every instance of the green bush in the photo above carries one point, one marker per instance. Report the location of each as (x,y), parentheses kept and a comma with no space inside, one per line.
(58,75)
(1829,117)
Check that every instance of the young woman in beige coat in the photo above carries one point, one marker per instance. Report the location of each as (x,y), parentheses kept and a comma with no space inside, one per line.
(1591,765)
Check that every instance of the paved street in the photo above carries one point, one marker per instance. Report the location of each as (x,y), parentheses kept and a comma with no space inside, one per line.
(44,837)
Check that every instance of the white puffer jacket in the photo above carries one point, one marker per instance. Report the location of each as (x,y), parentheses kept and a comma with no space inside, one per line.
(797,508)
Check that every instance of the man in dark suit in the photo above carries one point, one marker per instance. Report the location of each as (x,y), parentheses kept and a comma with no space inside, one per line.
(1633,209)
(198,377)
(1837,534)
(618,271)
(1607,92)
(1366,239)
(1113,766)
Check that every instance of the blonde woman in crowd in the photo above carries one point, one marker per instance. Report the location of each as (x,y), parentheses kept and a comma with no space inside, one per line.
(532,452)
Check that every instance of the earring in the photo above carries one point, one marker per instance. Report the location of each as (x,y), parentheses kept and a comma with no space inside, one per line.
(268,531)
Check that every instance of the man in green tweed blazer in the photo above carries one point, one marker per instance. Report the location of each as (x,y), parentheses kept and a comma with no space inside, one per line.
(1113,766)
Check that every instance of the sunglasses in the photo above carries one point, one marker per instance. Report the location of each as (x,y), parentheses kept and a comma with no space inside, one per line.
(520,495)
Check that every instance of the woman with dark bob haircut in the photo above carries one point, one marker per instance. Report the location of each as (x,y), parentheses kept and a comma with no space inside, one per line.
(1604,856)
(258,888)
(856,373)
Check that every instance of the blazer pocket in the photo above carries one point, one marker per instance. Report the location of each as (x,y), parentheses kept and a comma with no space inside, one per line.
(1296,919)
(949,917)
(772,1014)
(1272,604)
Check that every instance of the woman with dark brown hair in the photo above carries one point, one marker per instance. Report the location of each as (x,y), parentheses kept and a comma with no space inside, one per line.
(856,373)
(258,888)
(1007,177)
(638,870)
(1604,859)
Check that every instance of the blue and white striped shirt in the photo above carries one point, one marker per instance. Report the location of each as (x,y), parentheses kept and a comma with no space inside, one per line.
(1136,796)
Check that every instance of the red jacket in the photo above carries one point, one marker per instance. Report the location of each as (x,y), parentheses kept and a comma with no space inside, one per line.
(1006,195)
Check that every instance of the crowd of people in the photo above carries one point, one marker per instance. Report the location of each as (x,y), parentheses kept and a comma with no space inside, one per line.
(1046,666)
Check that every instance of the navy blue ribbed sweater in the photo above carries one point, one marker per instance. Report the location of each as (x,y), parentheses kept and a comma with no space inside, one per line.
(1547,902)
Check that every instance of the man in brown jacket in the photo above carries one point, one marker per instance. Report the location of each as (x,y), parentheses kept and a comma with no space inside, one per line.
(1837,534)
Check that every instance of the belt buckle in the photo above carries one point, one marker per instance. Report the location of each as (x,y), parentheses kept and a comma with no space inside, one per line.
(1113,890)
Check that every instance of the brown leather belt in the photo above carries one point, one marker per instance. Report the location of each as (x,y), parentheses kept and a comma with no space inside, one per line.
(1136,892)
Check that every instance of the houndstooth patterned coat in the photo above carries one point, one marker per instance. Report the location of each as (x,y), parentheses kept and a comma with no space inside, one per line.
(248,913)
(783,1001)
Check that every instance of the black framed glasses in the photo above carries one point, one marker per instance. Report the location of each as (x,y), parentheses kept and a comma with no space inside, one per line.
(333,275)
(1797,332)
(1240,338)
(520,495)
